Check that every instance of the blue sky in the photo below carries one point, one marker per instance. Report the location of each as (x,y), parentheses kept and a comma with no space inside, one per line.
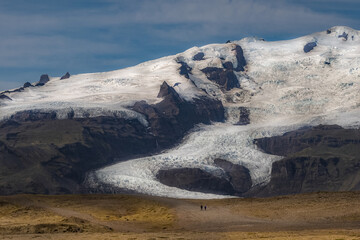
(80,36)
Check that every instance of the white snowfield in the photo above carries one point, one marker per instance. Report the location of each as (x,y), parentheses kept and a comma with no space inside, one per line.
(284,88)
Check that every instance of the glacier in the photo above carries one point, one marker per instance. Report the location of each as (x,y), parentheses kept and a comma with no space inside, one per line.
(283,86)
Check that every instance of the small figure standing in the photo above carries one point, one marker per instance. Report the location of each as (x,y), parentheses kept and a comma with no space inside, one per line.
(201,207)
(205,207)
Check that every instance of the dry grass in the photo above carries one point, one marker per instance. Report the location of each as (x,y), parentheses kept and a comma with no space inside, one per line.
(306,216)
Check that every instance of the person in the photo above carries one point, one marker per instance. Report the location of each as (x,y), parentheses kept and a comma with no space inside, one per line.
(205,207)
(201,207)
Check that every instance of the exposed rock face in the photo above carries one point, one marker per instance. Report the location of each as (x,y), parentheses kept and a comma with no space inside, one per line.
(33,115)
(199,56)
(66,76)
(239,176)
(43,154)
(309,46)
(310,174)
(195,179)
(224,77)
(43,79)
(322,158)
(3,96)
(344,36)
(244,116)
(52,156)
(172,117)
(184,69)
(240,58)
(236,181)
(27,84)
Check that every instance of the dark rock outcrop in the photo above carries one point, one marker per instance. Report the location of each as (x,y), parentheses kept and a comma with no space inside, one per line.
(3,96)
(296,141)
(33,115)
(244,116)
(199,56)
(321,158)
(27,84)
(43,80)
(241,62)
(344,36)
(184,69)
(66,76)
(309,46)
(195,179)
(171,118)
(239,176)
(228,65)
(52,156)
(311,174)
(225,78)
(236,182)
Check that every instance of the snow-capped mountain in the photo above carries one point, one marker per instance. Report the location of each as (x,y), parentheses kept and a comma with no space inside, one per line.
(202,109)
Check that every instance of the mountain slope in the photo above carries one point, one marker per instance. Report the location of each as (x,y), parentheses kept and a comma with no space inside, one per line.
(252,88)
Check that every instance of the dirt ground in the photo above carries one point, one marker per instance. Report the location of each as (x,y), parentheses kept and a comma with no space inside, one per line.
(305,216)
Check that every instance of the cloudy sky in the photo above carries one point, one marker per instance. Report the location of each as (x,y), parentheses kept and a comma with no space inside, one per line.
(80,36)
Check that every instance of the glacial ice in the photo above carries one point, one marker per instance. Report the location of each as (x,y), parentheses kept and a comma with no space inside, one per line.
(283,87)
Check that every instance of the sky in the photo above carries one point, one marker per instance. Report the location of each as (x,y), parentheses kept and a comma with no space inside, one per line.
(82,36)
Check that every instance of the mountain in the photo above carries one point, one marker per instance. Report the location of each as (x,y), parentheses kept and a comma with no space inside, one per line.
(245,118)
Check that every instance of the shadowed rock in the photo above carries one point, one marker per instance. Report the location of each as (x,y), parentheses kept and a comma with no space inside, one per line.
(322,158)
(241,62)
(239,176)
(43,80)
(194,179)
(244,116)
(344,36)
(199,56)
(27,84)
(309,46)
(3,96)
(184,69)
(225,78)
(66,76)
(52,156)
(173,116)
(228,65)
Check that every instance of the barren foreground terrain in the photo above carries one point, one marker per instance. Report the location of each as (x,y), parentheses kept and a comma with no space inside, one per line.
(305,216)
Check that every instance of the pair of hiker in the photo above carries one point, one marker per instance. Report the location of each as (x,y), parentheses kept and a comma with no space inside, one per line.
(203,207)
